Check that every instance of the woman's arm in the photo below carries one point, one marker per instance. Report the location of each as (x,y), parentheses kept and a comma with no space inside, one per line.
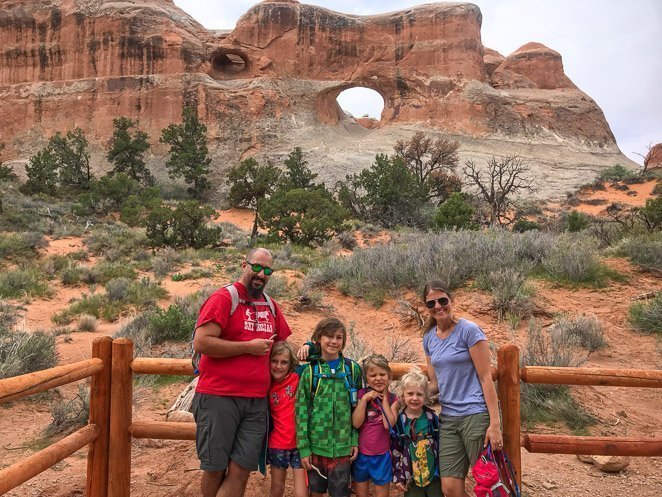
(433,386)
(480,356)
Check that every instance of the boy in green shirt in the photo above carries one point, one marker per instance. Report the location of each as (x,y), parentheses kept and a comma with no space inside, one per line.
(326,439)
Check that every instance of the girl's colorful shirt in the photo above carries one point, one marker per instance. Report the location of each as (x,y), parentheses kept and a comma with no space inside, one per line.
(415,453)
(282,397)
(374,437)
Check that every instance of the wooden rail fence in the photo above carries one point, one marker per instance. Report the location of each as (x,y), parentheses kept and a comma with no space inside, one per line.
(111,425)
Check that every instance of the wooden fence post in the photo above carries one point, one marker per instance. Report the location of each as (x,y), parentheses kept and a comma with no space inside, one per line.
(121,413)
(97,456)
(509,397)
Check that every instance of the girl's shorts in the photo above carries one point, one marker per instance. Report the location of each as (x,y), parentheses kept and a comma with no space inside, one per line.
(372,468)
(284,458)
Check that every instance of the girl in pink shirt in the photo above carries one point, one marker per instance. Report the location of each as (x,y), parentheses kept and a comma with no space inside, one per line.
(373,417)
(282,445)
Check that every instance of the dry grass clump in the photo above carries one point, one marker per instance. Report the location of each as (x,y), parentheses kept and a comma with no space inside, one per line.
(23,353)
(87,323)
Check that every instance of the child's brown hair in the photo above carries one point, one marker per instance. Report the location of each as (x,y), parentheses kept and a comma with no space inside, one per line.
(285,348)
(328,326)
(377,361)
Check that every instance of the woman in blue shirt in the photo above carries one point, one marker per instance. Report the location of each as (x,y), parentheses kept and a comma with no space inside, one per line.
(459,367)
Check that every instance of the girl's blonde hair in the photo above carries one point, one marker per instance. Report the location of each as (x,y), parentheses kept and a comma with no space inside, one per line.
(414,377)
(377,361)
(430,286)
(328,326)
(287,349)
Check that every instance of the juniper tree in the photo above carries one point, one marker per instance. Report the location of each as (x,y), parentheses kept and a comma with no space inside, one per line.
(189,155)
(127,151)
(297,174)
(250,182)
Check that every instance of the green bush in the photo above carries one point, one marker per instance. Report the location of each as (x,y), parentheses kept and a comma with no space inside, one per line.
(301,216)
(117,289)
(23,353)
(115,237)
(23,244)
(455,213)
(23,283)
(647,316)
(577,222)
(522,225)
(616,173)
(574,260)
(184,226)
(170,324)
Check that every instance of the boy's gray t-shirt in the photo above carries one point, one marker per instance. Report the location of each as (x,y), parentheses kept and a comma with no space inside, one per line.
(460,392)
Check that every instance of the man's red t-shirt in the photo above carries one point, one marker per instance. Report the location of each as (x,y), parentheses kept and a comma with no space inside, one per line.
(243,375)
(282,397)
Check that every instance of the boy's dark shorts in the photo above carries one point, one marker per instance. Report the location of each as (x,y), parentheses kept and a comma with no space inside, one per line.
(284,458)
(229,428)
(337,472)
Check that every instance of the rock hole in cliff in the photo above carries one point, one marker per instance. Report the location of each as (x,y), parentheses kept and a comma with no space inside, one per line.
(364,105)
(229,63)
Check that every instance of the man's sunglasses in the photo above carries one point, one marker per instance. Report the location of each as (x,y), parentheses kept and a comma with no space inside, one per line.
(256,268)
(431,303)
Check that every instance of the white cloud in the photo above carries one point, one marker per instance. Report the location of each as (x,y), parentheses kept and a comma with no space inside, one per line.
(611,48)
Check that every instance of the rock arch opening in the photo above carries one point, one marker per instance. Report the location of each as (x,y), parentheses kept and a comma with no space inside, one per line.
(364,105)
(228,64)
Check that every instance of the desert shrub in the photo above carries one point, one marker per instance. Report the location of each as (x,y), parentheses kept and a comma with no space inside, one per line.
(647,316)
(184,226)
(452,257)
(117,237)
(91,304)
(195,274)
(170,324)
(69,415)
(8,316)
(23,282)
(576,222)
(117,289)
(616,173)
(23,353)
(347,240)
(575,260)
(72,276)
(106,271)
(522,225)
(584,331)
(509,292)
(23,244)
(455,213)
(161,268)
(278,288)
(551,403)
(87,323)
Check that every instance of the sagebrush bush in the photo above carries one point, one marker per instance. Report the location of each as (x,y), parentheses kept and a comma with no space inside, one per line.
(8,316)
(347,240)
(23,283)
(23,353)
(584,331)
(117,289)
(551,403)
(172,323)
(69,415)
(23,244)
(616,173)
(72,276)
(647,316)
(645,250)
(87,323)
(510,295)
(118,237)
(574,260)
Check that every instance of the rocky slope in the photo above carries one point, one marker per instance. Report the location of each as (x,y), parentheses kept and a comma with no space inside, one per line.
(271,84)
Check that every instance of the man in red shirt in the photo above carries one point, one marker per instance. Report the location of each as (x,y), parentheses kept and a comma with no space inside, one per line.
(230,403)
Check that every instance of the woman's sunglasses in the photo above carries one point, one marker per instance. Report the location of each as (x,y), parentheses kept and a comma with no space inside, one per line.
(431,303)
(256,268)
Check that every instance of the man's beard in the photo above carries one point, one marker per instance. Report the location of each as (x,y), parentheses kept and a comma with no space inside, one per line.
(256,293)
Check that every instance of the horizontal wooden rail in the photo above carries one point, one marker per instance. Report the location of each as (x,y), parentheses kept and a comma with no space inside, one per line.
(165,430)
(145,365)
(592,376)
(30,467)
(28,384)
(597,446)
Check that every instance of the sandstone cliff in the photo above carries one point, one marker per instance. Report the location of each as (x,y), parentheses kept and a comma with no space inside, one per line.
(271,84)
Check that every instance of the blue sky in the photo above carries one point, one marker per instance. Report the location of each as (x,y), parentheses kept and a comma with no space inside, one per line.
(611,49)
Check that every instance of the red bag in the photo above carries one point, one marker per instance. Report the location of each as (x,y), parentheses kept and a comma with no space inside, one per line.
(488,476)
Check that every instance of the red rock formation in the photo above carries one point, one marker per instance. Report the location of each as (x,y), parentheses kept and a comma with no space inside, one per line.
(277,75)
(653,158)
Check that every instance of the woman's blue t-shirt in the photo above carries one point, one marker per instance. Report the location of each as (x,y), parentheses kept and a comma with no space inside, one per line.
(460,392)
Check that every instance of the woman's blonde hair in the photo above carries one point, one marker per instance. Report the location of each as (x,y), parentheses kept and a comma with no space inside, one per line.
(378,361)
(328,326)
(414,377)
(285,348)
(430,286)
